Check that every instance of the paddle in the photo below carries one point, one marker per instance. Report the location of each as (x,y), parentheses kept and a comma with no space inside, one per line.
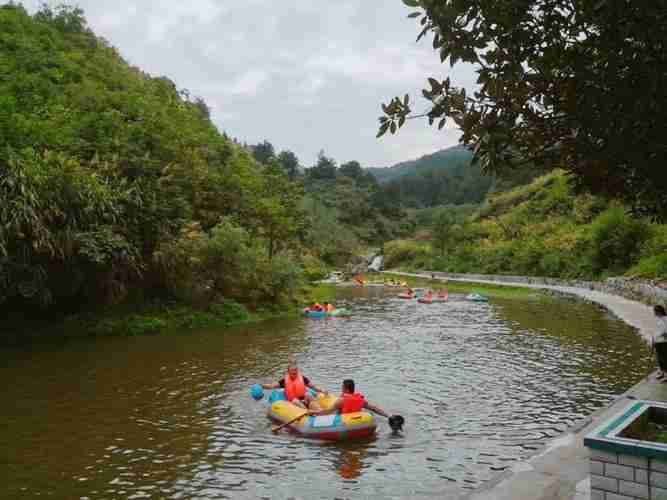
(276,429)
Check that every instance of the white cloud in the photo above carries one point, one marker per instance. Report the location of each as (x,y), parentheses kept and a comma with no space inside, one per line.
(305,75)
(246,84)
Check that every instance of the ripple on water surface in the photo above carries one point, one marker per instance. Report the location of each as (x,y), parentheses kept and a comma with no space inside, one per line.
(482,385)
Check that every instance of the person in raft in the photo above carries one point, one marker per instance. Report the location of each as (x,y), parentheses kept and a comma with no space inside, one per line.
(295,385)
(350,402)
(660,342)
(329,307)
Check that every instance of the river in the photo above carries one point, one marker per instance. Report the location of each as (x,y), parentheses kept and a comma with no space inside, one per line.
(481,386)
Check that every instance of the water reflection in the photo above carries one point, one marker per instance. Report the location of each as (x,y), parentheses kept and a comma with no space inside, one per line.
(350,462)
(480,385)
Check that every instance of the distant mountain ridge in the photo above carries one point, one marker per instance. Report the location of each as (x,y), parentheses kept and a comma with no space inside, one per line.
(449,157)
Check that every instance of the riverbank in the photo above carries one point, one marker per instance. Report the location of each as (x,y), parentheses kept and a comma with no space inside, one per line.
(490,289)
(153,318)
(560,471)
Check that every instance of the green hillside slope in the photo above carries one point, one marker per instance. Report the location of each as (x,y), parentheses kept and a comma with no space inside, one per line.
(445,177)
(445,158)
(540,229)
(114,183)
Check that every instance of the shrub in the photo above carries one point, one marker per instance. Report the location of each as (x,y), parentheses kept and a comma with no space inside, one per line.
(656,243)
(654,266)
(276,279)
(313,268)
(226,262)
(616,240)
(404,251)
(229,311)
(142,325)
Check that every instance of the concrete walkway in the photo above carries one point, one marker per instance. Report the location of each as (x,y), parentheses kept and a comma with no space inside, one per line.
(561,471)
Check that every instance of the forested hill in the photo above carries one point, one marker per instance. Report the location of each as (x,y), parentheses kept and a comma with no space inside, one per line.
(447,177)
(443,159)
(441,178)
(543,228)
(113,182)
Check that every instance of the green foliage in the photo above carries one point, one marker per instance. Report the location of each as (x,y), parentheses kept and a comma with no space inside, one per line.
(314,269)
(343,211)
(154,318)
(441,159)
(654,266)
(143,326)
(110,180)
(263,152)
(333,242)
(56,214)
(324,169)
(656,242)
(400,251)
(541,229)
(445,177)
(276,211)
(321,293)
(230,311)
(616,239)
(447,225)
(135,324)
(578,85)
(290,163)
(227,262)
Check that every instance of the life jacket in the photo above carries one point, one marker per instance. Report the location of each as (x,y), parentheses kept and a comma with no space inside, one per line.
(352,403)
(295,389)
(330,308)
(316,307)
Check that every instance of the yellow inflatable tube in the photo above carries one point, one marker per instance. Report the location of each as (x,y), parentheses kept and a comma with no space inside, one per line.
(330,427)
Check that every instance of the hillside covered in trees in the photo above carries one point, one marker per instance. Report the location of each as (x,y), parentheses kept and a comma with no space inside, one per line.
(443,159)
(544,228)
(117,188)
(446,177)
(115,185)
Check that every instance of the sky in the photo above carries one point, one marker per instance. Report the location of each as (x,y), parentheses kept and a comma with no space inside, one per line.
(306,75)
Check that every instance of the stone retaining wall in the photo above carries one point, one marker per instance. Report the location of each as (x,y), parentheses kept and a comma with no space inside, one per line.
(648,292)
(624,477)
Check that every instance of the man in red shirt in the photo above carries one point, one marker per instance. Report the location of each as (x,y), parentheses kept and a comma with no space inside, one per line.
(350,402)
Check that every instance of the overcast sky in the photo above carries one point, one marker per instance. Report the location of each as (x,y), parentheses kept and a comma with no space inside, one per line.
(304,74)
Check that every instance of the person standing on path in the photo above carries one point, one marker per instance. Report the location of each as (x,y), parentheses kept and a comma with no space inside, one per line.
(660,341)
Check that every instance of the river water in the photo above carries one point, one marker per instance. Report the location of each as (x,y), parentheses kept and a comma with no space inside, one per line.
(481,386)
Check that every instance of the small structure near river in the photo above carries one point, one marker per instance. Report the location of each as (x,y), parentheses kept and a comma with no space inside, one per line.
(628,457)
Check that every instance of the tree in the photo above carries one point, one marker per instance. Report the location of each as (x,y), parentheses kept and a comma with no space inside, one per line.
(263,152)
(276,213)
(351,169)
(324,169)
(578,85)
(203,108)
(444,228)
(65,18)
(290,163)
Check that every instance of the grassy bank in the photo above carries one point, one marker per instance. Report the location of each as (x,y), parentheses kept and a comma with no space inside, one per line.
(153,318)
(460,287)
